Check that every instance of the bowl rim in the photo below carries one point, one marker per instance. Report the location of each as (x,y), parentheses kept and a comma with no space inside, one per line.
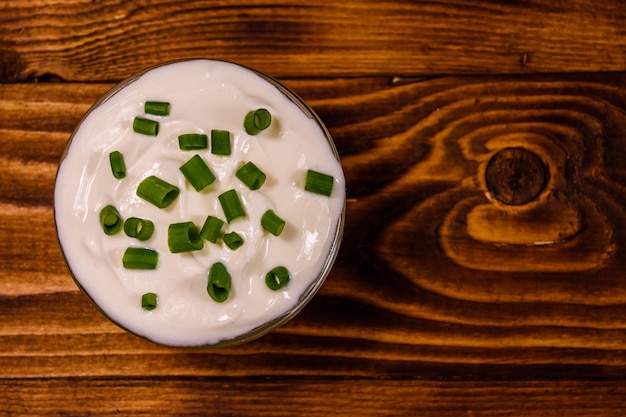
(309,292)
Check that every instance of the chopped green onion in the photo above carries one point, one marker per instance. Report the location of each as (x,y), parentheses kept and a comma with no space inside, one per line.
(197,173)
(146,126)
(192,141)
(233,240)
(251,176)
(149,301)
(317,182)
(272,223)
(140,229)
(219,282)
(183,237)
(158,108)
(256,121)
(220,142)
(231,204)
(277,278)
(118,167)
(110,220)
(158,192)
(211,228)
(140,258)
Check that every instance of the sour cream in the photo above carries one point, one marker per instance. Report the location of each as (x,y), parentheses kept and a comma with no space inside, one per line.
(204,95)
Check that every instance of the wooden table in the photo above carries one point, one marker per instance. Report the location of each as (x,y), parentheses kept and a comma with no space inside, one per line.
(483,264)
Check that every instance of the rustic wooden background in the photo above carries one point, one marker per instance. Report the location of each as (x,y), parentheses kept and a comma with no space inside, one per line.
(483,265)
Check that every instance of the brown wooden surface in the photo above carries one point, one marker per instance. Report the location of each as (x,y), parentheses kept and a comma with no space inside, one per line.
(483,270)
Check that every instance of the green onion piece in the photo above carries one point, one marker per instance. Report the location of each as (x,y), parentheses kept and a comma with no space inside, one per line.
(140,258)
(251,176)
(140,229)
(192,141)
(231,204)
(219,283)
(272,223)
(256,121)
(110,220)
(233,240)
(158,108)
(146,126)
(118,167)
(183,237)
(197,173)
(317,182)
(211,228)
(149,301)
(220,142)
(158,192)
(277,278)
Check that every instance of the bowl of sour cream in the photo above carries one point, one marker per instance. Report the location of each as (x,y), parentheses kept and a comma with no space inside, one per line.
(200,203)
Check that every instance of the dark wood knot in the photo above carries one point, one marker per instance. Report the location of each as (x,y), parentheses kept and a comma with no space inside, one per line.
(515,176)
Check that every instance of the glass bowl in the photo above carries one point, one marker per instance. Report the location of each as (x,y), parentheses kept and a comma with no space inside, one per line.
(83,186)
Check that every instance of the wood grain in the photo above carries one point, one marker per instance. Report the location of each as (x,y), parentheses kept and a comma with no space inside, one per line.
(417,207)
(289,397)
(109,40)
(483,263)
(444,273)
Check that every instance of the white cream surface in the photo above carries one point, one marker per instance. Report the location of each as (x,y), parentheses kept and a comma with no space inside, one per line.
(204,95)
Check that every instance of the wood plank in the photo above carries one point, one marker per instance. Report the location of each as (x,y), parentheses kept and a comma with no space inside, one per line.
(109,40)
(62,335)
(322,397)
(436,276)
